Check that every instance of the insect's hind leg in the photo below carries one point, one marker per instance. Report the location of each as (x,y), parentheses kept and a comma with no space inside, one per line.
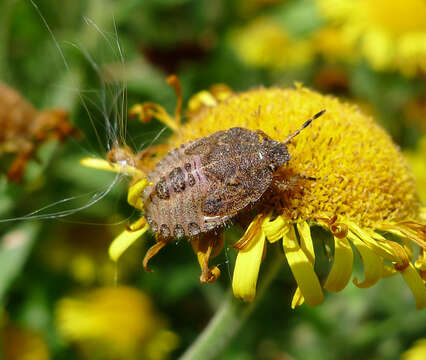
(304,177)
(290,183)
(204,246)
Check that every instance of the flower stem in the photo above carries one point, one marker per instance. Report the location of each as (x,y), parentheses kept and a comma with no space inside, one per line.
(228,319)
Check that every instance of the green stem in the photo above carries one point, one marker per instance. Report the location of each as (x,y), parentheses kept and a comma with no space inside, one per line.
(228,319)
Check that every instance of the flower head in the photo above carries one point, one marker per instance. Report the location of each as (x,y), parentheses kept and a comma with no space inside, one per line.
(389,34)
(98,323)
(345,175)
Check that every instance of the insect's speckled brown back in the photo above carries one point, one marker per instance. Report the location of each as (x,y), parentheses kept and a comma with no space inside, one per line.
(205,182)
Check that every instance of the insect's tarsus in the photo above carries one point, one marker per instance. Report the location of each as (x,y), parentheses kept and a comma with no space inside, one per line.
(297,132)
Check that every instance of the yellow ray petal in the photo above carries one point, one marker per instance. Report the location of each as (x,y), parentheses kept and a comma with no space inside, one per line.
(204,98)
(421,261)
(302,269)
(275,229)
(123,241)
(308,248)
(341,271)
(410,230)
(306,240)
(298,298)
(148,110)
(200,99)
(389,250)
(422,213)
(107,166)
(134,196)
(173,80)
(388,271)
(152,251)
(247,267)
(253,229)
(408,246)
(373,264)
(415,282)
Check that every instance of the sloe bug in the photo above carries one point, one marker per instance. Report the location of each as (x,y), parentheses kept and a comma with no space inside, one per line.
(196,188)
(200,185)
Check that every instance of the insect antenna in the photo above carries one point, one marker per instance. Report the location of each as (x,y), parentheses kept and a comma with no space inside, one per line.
(297,132)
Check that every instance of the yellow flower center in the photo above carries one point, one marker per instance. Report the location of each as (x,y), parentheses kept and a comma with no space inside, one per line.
(358,172)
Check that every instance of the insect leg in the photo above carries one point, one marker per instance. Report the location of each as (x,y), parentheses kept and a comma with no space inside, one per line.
(203,246)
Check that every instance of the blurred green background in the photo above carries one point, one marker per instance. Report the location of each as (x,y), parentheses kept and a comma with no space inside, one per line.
(113,55)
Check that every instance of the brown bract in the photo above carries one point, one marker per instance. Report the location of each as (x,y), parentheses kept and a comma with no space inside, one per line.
(24,128)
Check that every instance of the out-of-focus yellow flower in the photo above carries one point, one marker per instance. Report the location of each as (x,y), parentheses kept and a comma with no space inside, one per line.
(266,44)
(80,251)
(417,352)
(115,322)
(22,344)
(362,190)
(331,45)
(389,34)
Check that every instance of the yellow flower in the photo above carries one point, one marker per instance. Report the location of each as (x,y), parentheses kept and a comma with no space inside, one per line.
(417,352)
(331,44)
(345,175)
(22,344)
(264,43)
(79,250)
(389,34)
(115,322)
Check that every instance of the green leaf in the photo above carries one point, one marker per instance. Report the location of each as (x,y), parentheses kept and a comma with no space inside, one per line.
(15,247)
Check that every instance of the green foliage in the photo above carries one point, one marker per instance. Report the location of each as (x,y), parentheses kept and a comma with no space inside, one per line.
(112,46)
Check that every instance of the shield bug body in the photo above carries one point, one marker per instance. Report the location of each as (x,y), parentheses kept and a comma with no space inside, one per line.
(198,187)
